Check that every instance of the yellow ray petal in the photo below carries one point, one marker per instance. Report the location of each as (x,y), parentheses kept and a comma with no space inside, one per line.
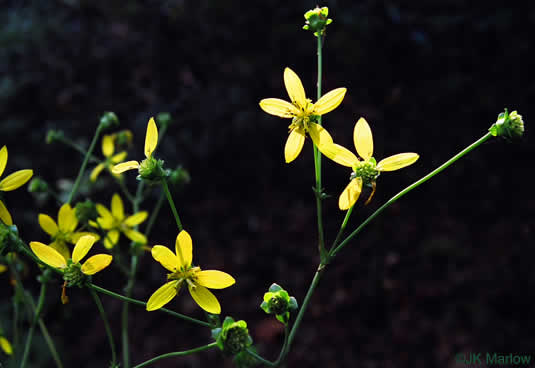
(340,155)
(166,257)
(278,107)
(294,87)
(294,145)
(329,101)
(5,217)
(319,135)
(106,220)
(96,172)
(135,235)
(107,145)
(48,255)
(117,207)
(3,159)
(48,224)
(15,180)
(112,237)
(184,248)
(6,346)
(205,299)
(214,279)
(61,247)
(362,138)
(151,138)
(136,219)
(118,157)
(350,194)
(162,296)
(124,166)
(67,220)
(397,162)
(83,245)
(96,263)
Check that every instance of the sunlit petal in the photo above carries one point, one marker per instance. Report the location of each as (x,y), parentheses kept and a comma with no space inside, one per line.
(135,235)
(205,299)
(96,263)
(184,248)
(48,224)
(329,101)
(107,145)
(214,279)
(118,157)
(136,219)
(339,154)
(61,247)
(278,107)
(362,138)
(96,172)
(67,220)
(397,162)
(3,159)
(5,216)
(5,345)
(294,144)
(166,257)
(319,135)
(117,207)
(350,194)
(106,219)
(83,245)
(151,138)
(295,88)
(112,237)
(162,296)
(15,180)
(48,255)
(124,166)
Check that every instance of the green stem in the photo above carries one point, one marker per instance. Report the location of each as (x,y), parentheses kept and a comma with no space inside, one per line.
(408,189)
(84,163)
(29,337)
(154,214)
(106,324)
(139,302)
(76,147)
(342,227)
(125,191)
(171,203)
(177,353)
(125,311)
(282,353)
(317,165)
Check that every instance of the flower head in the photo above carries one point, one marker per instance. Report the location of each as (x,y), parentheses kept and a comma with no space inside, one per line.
(9,183)
(64,231)
(67,265)
(115,222)
(365,171)
(303,114)
(183,272)
(149,168)
(110,159)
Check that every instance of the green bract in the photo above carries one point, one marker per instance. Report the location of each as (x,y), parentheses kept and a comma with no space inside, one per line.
(509,126)
(109,120)
(277,301)
(317,21)
(233,337)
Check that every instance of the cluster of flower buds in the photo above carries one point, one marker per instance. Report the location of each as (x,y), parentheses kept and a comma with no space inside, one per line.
(232,337)
(317,21)
(277,301)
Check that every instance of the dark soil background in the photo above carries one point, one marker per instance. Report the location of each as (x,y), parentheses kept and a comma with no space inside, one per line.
(447,270)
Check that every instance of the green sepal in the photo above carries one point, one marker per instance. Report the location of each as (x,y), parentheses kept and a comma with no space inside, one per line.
(317,21)
(292,304)
(274,288)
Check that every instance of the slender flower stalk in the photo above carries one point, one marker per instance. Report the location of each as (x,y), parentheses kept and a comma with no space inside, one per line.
(29,337)
(176,353)
(106,324)
(172,204)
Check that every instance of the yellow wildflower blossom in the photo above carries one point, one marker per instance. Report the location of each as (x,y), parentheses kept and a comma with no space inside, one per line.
(366,171)
(9,183)
(303,114)
(115,222)
(108,149)
(64,231)
(151,140)
(183,272)
(5,346)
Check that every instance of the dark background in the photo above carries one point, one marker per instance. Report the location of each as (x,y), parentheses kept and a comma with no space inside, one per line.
(446,270)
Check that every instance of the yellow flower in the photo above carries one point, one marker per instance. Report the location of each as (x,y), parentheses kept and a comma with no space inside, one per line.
(303,114)
(11,182)
(108,148)
(151,140)
(64,231)
(53,258)
(366,171)
(5,345)
(182,271)
(116,221)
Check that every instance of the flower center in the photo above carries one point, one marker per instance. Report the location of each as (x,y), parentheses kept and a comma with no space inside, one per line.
(365,170)
(182,274)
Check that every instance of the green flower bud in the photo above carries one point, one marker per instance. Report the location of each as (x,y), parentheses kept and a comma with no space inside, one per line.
(123,138)
(233,337)
(179,177)
(509,126)
(54,135)
(109,120)
(317,21)
(163,119)
(86,211)
(37,185)
(73,275)
(366,170)
(278,302)
(151,169)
